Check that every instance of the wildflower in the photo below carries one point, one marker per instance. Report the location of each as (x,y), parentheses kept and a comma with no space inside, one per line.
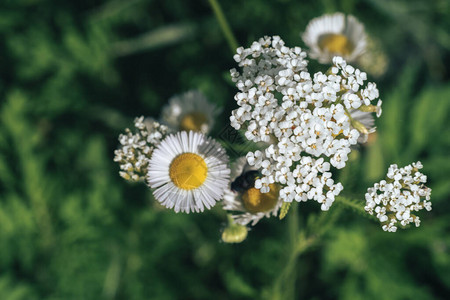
(395,199)
(189,172)
(374,61)
(307,117)
(190,111)
(136,148)
(364,122)
(310,180)
(234,233)
(335,35)
(246,203)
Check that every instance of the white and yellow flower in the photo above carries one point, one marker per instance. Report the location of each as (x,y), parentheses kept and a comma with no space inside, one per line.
(374,61)
(189,172)
(190,111)
(364,122)
(245,202)
(335,35)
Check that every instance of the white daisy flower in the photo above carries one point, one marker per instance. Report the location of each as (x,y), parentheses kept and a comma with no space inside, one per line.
(374,61)
(335,34)
(190,111)
(364,122)
(246,203)
(189,172)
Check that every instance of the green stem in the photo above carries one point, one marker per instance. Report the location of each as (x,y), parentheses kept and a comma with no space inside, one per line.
(293,245)
(224,25)
(304,244)
(230,219)
(300,241)
(284,286)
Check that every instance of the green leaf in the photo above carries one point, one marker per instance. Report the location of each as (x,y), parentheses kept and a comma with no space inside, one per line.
(284,209)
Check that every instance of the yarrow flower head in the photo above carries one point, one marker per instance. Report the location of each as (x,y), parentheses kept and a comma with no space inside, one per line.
(310,121)
(190,111)
(136,148)
(335,35)
(246,203)
(188,172)
(394,199)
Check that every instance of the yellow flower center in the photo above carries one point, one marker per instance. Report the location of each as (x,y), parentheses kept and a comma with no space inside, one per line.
(255,201)
(193,121)
(188,171)
(336,43)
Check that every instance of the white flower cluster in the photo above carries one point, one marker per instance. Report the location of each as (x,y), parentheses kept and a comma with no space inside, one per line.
(393,200)
(309,179)
(302,116)
(136,148)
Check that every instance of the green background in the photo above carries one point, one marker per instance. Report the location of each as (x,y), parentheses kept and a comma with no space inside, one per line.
(74,74)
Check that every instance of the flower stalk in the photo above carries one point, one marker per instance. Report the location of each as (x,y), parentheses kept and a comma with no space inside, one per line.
(220,16)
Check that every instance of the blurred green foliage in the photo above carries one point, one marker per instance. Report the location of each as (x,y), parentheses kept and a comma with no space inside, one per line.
(75,73)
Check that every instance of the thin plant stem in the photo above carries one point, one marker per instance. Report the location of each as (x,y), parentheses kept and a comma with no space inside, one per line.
(300,241)
(220,16)
(284,286)
(292,262)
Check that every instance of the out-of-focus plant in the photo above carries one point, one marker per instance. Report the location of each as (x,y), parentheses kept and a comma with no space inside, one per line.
(73,76)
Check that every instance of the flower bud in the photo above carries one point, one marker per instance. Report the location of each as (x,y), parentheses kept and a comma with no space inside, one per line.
(234,233)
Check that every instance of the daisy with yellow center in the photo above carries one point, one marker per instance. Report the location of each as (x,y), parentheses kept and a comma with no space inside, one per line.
(189,172)
(190,111)
(335,35)
(245,202)
(364,122)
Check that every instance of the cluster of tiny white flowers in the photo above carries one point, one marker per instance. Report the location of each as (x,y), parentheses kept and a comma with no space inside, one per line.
(305,115)
(136,148)
(403,192)
(308,178)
